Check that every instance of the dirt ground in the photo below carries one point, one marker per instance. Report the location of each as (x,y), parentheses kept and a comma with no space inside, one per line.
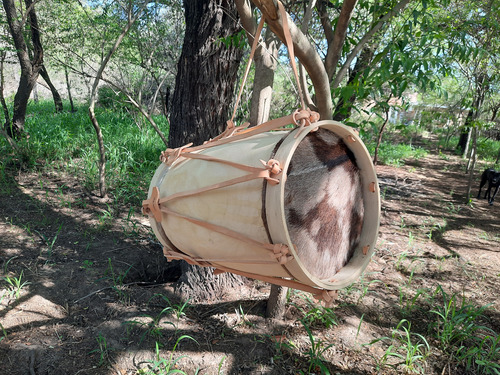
(93,284)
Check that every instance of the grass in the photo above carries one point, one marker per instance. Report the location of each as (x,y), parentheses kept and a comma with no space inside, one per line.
(117,280)
(66,142)
(152,325)
(165,366)
(394,153)
(103,350)
(407,351)
(315,353)
(315,315)
(15,284)
(460,330)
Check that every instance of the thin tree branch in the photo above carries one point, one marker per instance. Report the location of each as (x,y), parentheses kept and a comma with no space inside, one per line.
(302,74)
(343,71)
(340,33)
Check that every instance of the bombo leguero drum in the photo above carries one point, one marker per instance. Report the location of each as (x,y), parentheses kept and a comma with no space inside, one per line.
(295,207)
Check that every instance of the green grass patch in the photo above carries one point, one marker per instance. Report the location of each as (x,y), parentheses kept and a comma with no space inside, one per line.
(395,154)
(67,142)
(488,149)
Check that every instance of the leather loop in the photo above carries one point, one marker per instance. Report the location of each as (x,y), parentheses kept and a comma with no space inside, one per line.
(274,168)
(327,296)
(170,155)
(304,118)
(151,206)
(281,253)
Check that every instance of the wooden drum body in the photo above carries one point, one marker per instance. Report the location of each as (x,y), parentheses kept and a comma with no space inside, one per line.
(249,227)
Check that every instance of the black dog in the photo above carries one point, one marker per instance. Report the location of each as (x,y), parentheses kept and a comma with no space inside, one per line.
(493,179)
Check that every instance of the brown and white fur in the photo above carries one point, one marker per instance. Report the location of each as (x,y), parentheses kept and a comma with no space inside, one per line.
(324,203)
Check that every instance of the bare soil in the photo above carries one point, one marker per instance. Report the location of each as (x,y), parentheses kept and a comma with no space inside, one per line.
(97,283)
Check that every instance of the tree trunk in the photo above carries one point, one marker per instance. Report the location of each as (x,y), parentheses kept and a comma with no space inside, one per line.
(463,142)
(3,55)
(5,109)
(276,303)
(380,133)
(30,68)
(68,87)
(131,17)
(55,94)
(471,164)
(206,76)
(206,73)
(262,92)
(200,284)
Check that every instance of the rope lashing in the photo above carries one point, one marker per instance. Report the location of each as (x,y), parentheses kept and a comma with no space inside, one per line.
(211,262)
(231,129)
(175,255)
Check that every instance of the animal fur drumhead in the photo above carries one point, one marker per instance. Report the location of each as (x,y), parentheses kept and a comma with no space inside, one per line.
(324,203)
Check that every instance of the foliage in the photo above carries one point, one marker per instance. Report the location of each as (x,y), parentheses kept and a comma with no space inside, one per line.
(111,99)
(164,366)
(15,284)
(315,315)
(463,337)
(395,154)
(409,349)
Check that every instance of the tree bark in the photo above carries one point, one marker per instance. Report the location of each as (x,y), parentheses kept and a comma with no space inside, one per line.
(265,66)
(265,62)
(276,303)
(471,165)
(380,133)
(204,89)
(335,46)
(5,109)
(198,284)
(3,55)
(463,141)
(55,94)
(206,72)
(30,68)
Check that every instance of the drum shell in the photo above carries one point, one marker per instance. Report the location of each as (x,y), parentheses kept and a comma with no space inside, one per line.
(255,208)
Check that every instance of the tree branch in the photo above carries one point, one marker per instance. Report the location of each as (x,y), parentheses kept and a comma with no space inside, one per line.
(343,71)
(247,19)
(305,52)
(340,33)
(303,78)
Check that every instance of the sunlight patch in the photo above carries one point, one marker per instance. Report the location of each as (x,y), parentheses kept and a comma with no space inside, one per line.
(35,309)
